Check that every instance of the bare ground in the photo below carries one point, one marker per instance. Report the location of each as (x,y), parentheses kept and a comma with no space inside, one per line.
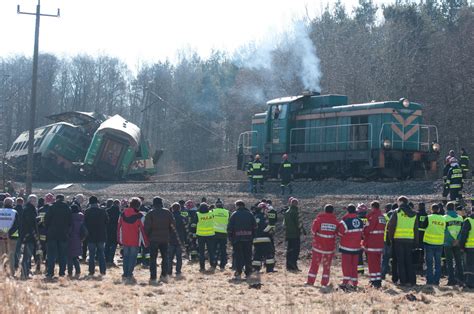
(280,292)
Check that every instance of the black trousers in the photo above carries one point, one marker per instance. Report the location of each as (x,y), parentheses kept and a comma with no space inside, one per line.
(292,253)
(221,251)
(394,265)
(404,253)
(243,256)
(454,264)
(469,268)
(154,247)
(208,242)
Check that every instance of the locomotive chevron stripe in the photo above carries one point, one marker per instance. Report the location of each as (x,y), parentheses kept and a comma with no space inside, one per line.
(405,123)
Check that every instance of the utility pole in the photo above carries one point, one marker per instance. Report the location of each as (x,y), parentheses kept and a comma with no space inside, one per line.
(31,134)
(3,145)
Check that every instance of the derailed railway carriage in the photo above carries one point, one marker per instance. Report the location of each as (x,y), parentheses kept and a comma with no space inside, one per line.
(325,136)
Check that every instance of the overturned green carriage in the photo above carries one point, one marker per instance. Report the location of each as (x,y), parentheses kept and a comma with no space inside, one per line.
(325,136)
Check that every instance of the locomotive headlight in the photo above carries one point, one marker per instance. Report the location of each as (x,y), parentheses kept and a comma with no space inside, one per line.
(436,147)
(387,144)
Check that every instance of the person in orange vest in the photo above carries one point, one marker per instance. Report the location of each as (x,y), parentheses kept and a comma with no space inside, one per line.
(324,231)
(374,231)
(350,230)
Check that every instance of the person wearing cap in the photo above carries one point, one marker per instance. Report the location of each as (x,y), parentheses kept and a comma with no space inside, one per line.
(466,243)
(258,170)
(324,230)
(452,249)
(241,231)
(293,230)
(58,222)
(286,172)
(221,220)
(402,233)
(374,230)
(130,234)
(159,224)
(9,224)
(96,220)
(455,180)
(28,234)
(206,236)
(177,240)
(350,230)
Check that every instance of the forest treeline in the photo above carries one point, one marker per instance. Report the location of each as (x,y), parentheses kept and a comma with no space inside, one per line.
(195,108)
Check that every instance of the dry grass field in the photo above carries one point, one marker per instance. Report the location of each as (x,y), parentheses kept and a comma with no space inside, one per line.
(280,292)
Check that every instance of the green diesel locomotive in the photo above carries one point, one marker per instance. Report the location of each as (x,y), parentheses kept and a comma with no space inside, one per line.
(325,136)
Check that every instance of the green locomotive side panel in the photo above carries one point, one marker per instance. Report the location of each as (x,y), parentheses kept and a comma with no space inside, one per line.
(93,149)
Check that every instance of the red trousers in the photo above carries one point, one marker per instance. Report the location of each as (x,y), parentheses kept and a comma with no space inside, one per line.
(326,259)
(375,265)
(349,268)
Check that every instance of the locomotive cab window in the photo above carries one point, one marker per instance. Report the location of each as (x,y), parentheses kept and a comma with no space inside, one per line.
(279,112)
(359,132)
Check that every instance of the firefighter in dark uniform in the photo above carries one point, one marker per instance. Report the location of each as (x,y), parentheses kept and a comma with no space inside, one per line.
(249,174)
(185,214)
(263,254)
(285,173)
(464,162)
(192,238)
(455,180)
(258,169)
(447,164)
(272,221)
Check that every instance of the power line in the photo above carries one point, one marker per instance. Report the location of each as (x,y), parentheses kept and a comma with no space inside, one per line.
(31,134)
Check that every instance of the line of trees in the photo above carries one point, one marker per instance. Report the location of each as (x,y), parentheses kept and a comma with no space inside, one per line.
(422,51)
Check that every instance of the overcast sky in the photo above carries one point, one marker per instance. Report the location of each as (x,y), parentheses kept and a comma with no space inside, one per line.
(148,30)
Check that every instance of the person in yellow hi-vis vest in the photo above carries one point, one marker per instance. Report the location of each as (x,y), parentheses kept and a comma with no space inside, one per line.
(402,231)
(466,242)
(206,236)
(9,232)
(452,251)
(221,219)
(435,226)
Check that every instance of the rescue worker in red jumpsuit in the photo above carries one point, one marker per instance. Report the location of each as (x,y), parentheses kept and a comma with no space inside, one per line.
(350,230)
(374,243)
(324,244)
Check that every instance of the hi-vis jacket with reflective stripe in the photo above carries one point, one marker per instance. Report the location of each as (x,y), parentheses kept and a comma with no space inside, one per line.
(9,222)
(324,231)
(205,224)
(374,231)
(350,230)
(257,169)
(454,180)
(434,233)
(221,219)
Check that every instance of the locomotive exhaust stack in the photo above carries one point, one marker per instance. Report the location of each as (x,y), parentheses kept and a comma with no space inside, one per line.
(310,93)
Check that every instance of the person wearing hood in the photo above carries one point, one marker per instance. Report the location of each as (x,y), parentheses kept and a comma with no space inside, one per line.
(350,230)
(28,234)
(452,249)
(324,230)
(374,243)
(159,224)
(293,229)
(76,236)
(455,180)
(403,233)
(96,220)
(206,236)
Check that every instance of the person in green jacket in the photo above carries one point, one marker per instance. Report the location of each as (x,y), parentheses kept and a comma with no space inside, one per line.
(452,250)
(293,229)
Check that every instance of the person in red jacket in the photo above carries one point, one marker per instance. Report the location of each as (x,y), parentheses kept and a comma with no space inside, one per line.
(374,243)
(131,235)
(350,230)
(324,244)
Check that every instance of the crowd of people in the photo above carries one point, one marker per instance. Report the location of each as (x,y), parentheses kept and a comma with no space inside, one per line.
(403,241)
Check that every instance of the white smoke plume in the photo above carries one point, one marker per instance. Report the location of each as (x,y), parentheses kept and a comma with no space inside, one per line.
(285,58)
